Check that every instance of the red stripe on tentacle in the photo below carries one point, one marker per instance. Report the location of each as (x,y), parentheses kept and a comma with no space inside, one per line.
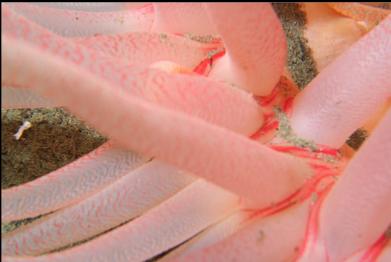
(375,250)
(323,171)
(267,100)
(205,66)
(313,227)
(281,97)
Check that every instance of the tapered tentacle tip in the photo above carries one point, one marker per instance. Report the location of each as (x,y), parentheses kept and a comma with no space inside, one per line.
(256,52)
(170,67)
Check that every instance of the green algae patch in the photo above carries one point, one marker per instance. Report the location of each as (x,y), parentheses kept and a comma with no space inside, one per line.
(54,139)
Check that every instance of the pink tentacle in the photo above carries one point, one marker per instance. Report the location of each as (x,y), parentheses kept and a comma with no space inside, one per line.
(68,184)
(147,48)
(357,212)
(217,154)
(181,93)
(386,254)
(361,198)
(82,23)
(342,97)
(259,240)
(126,198)
(196,207)
(216,233)
(255,42)
(182,18)
(93,6)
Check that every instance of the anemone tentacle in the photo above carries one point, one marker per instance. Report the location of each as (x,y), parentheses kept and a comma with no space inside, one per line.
(182,18)
(93,7)
(259,239)
(256,52)
(214,234)
(212,152)
(73,23)
(181,93)
(84,176)
(341,98)
(357,211)
(385,255)
(196,207)
(123,200)
(181,84)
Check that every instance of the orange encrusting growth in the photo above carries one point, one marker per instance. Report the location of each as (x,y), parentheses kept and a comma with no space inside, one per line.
(371,15)
(328,33)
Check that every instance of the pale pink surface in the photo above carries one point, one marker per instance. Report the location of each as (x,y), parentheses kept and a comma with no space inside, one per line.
(126,198)
(175,92)
(82,23)
(357,210)
(346,93)
(385,256)
(259,241)
(98,58)
(182,18)
(128,49)
(256,51)
(212,235)
(195,208)
(194,145)
(92,6)
(146,48)
(217,154)
(84,177)
(382,255)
